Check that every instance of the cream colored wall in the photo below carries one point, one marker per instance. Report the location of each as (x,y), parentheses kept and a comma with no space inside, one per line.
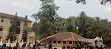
(58,44)
(61,44)
(6,24)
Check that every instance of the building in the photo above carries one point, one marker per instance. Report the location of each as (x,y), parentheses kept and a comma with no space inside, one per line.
(69,38)
(5,23)
(96,42)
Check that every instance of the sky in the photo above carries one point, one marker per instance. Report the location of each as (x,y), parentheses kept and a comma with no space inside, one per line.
(67,8)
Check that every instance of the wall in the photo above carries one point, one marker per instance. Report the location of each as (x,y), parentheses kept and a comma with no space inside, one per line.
(6,24)
(61,44)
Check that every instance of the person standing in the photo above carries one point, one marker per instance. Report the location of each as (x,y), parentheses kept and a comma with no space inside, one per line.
(97,47)
(71,47)
(28,46)
(77,47)
(33,47)
(63,47)
(4,46)
(22,47)
(25,46)
(47,46)
(50,46)
(38,47)
(10,47)
(66,46)
(14,47)
(17,45)
(85,47)
(101,47)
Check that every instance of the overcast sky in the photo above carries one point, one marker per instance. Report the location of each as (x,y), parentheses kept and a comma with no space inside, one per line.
(67,8)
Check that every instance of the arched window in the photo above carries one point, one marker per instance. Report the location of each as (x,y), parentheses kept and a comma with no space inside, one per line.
(10,22)
(54,41)
(1,20)
(70,42)
(18,23)
(59,42)
(18,31)
(96,42)
(64,42)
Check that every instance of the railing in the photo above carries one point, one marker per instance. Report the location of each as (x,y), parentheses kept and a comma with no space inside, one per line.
(14,44)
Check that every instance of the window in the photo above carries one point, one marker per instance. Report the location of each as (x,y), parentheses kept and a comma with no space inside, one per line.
(54,41)
(64,42)
(10,22)
(1,20)
(59,42)
(75,42)
(1,29)
(18,23)
(96,42)
(18,31)
(70,42)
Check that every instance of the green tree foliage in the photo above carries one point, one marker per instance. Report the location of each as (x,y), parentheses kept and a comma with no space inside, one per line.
(46,16)
(83,25)
(35,29)
(25,31)
(48,10)
(12,35)
(100,28)
(46,25)
(103,2)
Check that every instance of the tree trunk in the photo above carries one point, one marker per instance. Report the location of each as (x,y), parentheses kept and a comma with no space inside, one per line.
(45,40)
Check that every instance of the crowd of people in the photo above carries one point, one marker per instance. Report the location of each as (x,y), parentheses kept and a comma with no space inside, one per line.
(77,47)
(24,46)
(48,46)
(70,47)
(92,47)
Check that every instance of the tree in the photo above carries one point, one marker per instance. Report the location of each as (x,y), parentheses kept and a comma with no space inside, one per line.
(82,24)
(70,27)
(12,35)
(48,10)
(103,2)
(46,16)
(35,29)
(25,31)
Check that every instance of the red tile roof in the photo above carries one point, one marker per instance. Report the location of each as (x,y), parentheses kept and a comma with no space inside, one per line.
(4,15)
(67,36)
